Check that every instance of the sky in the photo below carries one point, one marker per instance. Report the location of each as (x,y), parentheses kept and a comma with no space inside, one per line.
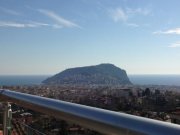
(45,37)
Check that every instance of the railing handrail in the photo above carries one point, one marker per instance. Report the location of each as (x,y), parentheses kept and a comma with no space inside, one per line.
(101,120)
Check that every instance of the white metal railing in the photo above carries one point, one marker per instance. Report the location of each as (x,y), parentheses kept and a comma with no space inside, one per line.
(104,121)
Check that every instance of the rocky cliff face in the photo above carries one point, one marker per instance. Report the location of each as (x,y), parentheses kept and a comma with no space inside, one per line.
(103,74)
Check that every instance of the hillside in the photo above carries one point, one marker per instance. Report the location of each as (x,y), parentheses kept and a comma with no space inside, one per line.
(103,74)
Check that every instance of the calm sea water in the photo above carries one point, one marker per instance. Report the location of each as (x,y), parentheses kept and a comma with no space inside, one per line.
(135,79)
(22,79)
(155,79)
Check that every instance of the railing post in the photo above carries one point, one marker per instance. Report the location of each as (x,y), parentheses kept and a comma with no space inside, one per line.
(7,119)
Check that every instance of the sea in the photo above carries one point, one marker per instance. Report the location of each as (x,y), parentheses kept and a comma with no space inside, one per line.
(173,80)
(10,80)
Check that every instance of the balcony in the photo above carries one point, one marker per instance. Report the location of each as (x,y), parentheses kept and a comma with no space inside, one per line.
(103,121)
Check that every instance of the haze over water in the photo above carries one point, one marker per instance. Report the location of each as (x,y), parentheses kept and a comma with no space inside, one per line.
(155,79)
(135,79)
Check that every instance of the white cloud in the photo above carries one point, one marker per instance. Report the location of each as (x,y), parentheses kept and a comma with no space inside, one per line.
(124,15)
(9,11)
(39,24)
(62,22)
(170,31)
(56,26)
(21,25)
(175,45)
(118,15)
(14,24)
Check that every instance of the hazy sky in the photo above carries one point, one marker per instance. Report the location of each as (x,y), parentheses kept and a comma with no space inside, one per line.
(48,36)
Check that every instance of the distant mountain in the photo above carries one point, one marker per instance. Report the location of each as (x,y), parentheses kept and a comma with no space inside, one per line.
(103,74)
